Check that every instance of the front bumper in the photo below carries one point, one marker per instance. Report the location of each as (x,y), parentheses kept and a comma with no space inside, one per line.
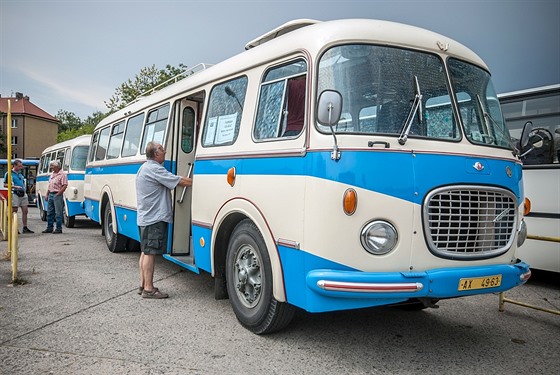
(339,290)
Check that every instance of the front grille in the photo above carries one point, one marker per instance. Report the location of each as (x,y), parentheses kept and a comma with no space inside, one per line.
(467,222)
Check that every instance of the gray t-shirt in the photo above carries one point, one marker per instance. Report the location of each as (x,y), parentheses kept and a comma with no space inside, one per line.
(153,195)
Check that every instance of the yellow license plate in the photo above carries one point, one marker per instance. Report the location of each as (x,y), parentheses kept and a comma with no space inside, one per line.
(480,282)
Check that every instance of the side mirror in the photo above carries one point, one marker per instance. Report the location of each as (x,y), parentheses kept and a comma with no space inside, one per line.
(527,129)
(329,107)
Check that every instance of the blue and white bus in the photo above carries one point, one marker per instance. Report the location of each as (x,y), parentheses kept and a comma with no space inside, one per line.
(72,155)
(541,170)
(29,173)
(336,165)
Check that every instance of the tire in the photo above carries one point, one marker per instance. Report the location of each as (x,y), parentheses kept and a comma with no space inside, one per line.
(115,242)
(417,305)
(249,282)
(42,211)
(69,221)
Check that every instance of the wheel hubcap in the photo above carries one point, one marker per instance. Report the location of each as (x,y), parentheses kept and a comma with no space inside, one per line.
(248,276)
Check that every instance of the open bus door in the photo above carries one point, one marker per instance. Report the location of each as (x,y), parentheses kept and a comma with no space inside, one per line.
(185,131)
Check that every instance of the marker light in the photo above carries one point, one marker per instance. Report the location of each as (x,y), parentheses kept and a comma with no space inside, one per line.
(350,201)
(231,176)
(527,206)
(379,237)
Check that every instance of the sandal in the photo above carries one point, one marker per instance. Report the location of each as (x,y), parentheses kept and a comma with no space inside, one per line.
(141,289)
(154,294)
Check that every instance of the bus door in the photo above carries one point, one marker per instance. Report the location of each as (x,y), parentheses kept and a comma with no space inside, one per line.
(185,125)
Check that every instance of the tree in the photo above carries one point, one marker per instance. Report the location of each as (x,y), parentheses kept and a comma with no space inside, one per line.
(143,84)
(68,120)
(75,129)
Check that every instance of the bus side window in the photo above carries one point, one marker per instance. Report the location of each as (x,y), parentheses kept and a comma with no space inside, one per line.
(66,159)
(295,107)
(115,142)
(102,144)
(132,135)
(225,108)
(155,127)
(93,147)
(281,107)
(60,157)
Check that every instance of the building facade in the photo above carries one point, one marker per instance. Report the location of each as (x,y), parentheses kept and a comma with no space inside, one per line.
(33,129)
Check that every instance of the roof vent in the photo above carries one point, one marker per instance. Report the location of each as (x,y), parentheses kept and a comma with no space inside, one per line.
(279,31)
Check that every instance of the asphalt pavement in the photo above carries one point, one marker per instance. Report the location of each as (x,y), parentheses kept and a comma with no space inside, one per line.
(76,310)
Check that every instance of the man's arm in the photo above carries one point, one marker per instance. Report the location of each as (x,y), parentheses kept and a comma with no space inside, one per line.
(185,181)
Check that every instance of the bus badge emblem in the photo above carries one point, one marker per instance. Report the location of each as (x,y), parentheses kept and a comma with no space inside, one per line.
(478,166)
(508,171)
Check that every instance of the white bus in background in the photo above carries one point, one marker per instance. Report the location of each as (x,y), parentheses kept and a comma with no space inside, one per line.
(415,195)
(541,171)
(72,155)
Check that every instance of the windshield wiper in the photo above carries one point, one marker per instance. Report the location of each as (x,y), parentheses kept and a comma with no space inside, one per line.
(416,107)
(487,117)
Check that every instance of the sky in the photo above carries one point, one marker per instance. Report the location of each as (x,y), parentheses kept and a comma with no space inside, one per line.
(73,54)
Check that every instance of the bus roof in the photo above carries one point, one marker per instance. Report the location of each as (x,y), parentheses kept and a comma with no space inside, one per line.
(24,161)
(82,140)
(531,91)
(311,37)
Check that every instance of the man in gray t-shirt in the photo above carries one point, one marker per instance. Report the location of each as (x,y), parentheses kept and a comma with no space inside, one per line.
(154,210)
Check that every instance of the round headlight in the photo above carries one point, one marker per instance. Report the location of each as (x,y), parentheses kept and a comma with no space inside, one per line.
(522,233)
(379,237)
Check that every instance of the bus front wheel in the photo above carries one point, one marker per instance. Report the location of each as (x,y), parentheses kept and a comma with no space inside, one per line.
(249,282)
(42,210)
(115,242)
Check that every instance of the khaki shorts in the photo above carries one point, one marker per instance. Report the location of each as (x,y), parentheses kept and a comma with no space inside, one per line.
(153,238)
(19,201)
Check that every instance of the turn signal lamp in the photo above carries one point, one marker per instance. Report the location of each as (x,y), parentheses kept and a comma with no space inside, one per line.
(350,201)
(231,176)
(527,207)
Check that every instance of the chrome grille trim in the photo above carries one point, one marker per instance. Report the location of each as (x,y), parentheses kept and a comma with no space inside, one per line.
(469,222)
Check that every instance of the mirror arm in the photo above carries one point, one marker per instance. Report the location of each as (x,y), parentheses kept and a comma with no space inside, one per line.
(335,153)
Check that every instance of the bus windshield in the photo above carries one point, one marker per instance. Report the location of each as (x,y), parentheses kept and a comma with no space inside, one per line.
(478,104)
(79,158)
(393,91)
(381,88)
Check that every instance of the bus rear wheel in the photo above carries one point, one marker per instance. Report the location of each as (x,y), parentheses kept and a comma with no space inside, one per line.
(69,221)
(249,282)
(115,242)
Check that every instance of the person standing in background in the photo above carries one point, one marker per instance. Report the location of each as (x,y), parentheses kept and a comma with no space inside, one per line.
(19,196)
(58,181)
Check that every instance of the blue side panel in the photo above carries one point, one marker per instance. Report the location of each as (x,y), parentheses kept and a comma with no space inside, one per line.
(202,255)
(91,207)
(75,176)
(296,264)
(460,170)
(303,274)
(361,169)
(74,208)
(128,226)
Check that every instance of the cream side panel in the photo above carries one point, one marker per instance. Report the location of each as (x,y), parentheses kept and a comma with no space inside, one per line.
(333,235)
(69,192)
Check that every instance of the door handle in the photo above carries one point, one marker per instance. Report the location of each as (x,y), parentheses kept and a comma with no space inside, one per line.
(180,200)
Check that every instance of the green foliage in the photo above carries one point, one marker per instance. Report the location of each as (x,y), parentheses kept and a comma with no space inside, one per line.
(71,126)
(68,121)
(3,144)
(143,83)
